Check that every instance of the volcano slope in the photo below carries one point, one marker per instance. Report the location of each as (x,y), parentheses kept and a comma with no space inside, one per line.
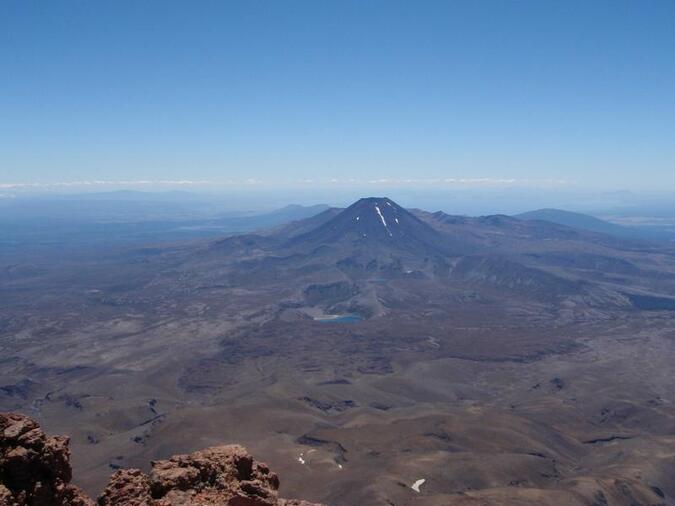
(362,351)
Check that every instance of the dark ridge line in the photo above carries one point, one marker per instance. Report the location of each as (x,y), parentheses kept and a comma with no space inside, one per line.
(606,439)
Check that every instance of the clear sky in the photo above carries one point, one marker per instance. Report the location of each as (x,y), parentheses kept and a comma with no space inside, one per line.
(304,92)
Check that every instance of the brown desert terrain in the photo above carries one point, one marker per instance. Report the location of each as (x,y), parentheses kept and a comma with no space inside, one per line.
(372,355)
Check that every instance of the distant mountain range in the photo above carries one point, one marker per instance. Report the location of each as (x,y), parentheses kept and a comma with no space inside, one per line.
(343,257)
(99,220)
(593,224)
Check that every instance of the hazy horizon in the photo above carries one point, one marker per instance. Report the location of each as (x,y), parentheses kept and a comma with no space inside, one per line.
(468,201)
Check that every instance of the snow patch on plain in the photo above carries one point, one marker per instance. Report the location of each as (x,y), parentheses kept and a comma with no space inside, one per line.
(416,486)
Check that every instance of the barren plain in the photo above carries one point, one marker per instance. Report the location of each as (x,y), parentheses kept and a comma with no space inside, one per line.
(501,361)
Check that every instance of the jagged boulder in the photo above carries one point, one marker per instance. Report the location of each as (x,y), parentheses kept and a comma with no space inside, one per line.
(223,475)
(35,471)
(34,468)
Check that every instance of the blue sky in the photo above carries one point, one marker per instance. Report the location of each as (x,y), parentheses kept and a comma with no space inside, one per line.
(318,93)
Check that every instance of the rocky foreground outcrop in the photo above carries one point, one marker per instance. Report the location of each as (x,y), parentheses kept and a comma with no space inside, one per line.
(34,468)
(35,471)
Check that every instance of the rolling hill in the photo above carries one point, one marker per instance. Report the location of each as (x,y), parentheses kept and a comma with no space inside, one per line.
(592,224)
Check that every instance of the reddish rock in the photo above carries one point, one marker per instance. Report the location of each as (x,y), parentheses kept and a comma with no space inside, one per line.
(224,475)
(35,469)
